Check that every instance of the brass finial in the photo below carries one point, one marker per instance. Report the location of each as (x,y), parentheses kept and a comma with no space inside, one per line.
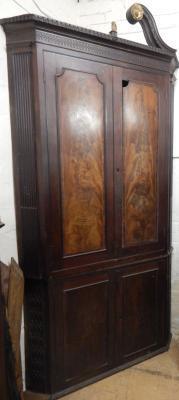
(137,12)
(113,31)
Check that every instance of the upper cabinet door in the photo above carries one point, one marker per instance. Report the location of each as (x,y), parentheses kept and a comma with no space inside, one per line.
(141,137)
(78,96)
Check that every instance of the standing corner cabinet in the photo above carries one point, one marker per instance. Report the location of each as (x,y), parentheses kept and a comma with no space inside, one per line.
(91,119)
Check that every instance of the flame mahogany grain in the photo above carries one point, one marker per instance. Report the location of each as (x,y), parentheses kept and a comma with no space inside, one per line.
(81,127)
(140,145)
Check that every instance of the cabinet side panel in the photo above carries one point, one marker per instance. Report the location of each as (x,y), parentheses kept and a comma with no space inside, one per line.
(81,127)
(140,138)
(24,158)
(25,128)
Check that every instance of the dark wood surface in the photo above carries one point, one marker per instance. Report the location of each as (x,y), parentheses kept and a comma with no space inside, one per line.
(140,130)
(140,316)
(3,374)
(80,190)
(81,127)
(85,331)
(92,133)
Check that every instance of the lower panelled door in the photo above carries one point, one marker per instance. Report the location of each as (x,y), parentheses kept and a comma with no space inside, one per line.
(142,313)
(83,334)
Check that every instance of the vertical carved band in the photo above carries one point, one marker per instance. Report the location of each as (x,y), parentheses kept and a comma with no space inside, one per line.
(21,64)
(23,135)
(36,336)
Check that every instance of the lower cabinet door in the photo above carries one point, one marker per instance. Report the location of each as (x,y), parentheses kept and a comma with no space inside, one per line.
(84,304)
(142,314)
(104,320)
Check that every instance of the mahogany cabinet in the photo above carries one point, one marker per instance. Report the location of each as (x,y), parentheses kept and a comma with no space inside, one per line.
(91,119)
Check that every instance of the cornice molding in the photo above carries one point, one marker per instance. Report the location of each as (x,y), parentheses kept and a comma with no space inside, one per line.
(82,39)
(59,27)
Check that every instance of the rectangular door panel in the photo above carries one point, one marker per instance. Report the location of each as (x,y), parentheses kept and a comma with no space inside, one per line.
(80,212)
(86,326)
(141,163)
(140,146)
(141,310)
(81,127)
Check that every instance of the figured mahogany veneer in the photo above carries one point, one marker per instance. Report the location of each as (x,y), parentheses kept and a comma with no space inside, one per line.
(140,145)
(81,129)
(92,137)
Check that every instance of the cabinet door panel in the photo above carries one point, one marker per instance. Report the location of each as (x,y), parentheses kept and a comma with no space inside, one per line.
(81,127)
(80,158)
(141,310)
(141,147)
(86,326)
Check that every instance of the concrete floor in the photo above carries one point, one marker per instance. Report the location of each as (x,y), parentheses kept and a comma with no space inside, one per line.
(154,379)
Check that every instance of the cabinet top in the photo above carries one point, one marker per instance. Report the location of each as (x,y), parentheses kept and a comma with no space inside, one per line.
(64,27)
(155,45)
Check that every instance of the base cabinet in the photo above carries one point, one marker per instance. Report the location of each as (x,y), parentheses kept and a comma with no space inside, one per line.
(100,322)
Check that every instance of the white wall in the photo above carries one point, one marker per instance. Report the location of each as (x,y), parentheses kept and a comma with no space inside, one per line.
(97,15)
